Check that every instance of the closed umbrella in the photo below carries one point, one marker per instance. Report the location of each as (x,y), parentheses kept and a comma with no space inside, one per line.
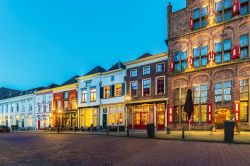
(189,106)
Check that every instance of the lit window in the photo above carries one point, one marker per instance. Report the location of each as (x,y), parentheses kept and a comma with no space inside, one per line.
(133,73)
(200,98)
(146,87)
(84,95)
(73,104)
(93,95)
(118,90)
(106,92)
(65,105)
(146,70)
(244,100)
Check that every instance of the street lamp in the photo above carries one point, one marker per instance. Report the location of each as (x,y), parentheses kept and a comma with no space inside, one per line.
(59,124)
(127,99)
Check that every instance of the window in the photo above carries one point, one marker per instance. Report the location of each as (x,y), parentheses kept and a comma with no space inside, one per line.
(66,105)
(200,17)
(118,90)
(200,56)
(244,100)
(12,108)
(244,7)
(17,107)
(50,106)
(44,107)
(179,101)
(73,104)
(112,78)
(134,87)
(146,87)
(84,95)
(160,86)
(200,103)
(223,51)
(133,73)
(223,91)
(93,94)
(244,46)
(146,70)
(180,60)
(66,95)
(106,91)
(160,67)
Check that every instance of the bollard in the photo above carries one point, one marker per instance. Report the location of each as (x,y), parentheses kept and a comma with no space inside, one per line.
(107,130)
(127,131)
(183,133)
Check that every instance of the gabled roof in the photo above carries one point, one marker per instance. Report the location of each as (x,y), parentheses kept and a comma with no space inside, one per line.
(7,92)
(97,69)
(118,65)
(70,81)
(145,56)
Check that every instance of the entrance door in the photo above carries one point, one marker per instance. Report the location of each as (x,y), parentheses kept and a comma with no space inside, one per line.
(140,120)
(104,121)
(160,120)
(221,115)
(38,124)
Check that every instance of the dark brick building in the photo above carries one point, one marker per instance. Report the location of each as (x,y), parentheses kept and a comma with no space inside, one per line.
(146,92)
(208,44)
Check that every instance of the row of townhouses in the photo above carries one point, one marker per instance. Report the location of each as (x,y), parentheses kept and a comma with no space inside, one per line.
(208,52)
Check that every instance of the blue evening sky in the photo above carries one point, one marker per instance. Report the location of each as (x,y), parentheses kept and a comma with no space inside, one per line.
(49,41)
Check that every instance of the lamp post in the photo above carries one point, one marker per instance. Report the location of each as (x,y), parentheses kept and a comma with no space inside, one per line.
(59,124)
(127,99)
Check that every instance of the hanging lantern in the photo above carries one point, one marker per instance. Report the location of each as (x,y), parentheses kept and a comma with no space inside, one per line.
(170,115)
(209,113)
(237,111)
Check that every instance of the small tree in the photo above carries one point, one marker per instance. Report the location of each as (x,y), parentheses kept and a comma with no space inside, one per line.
(189,106)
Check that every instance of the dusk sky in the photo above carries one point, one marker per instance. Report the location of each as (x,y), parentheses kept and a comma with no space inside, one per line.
(49,41)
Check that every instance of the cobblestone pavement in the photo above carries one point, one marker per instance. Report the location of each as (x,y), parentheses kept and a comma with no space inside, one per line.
(70,149)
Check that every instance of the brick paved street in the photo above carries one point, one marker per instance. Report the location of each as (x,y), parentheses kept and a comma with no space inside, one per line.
(69,149)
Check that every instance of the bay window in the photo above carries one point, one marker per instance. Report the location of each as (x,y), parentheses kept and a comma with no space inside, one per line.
(244,99)
(200,103)
(222,51)
(200,56)
(133,88)
(180,60)
(160,89)
(244,42)
(223,91)
(146,84)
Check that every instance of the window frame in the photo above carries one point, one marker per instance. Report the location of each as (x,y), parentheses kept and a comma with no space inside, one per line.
(131,73)
(156,85)
(181,61)
(150,86)
(161,63)
(146,72)
(222,52)
(223,91)
(136,90)
(245,46)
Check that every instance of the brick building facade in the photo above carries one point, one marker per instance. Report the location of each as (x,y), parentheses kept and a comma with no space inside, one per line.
(146,91)
(208,44)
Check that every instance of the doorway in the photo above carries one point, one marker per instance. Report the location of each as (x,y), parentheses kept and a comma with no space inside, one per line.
(221,115)
(140,120)
(104,121)
(160,120)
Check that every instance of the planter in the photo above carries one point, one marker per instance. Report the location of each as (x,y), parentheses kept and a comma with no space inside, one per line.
(151,130)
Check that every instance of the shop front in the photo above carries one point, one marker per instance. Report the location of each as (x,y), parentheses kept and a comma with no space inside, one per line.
(141,115)
(69,119)
(88,117)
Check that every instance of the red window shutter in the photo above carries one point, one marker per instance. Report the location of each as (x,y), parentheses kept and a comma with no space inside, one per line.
(211,57)
(191,23)
(236,8)
(171,65)
(170,115)
(190,60)
(235,53)
(209,112)
(237,111)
